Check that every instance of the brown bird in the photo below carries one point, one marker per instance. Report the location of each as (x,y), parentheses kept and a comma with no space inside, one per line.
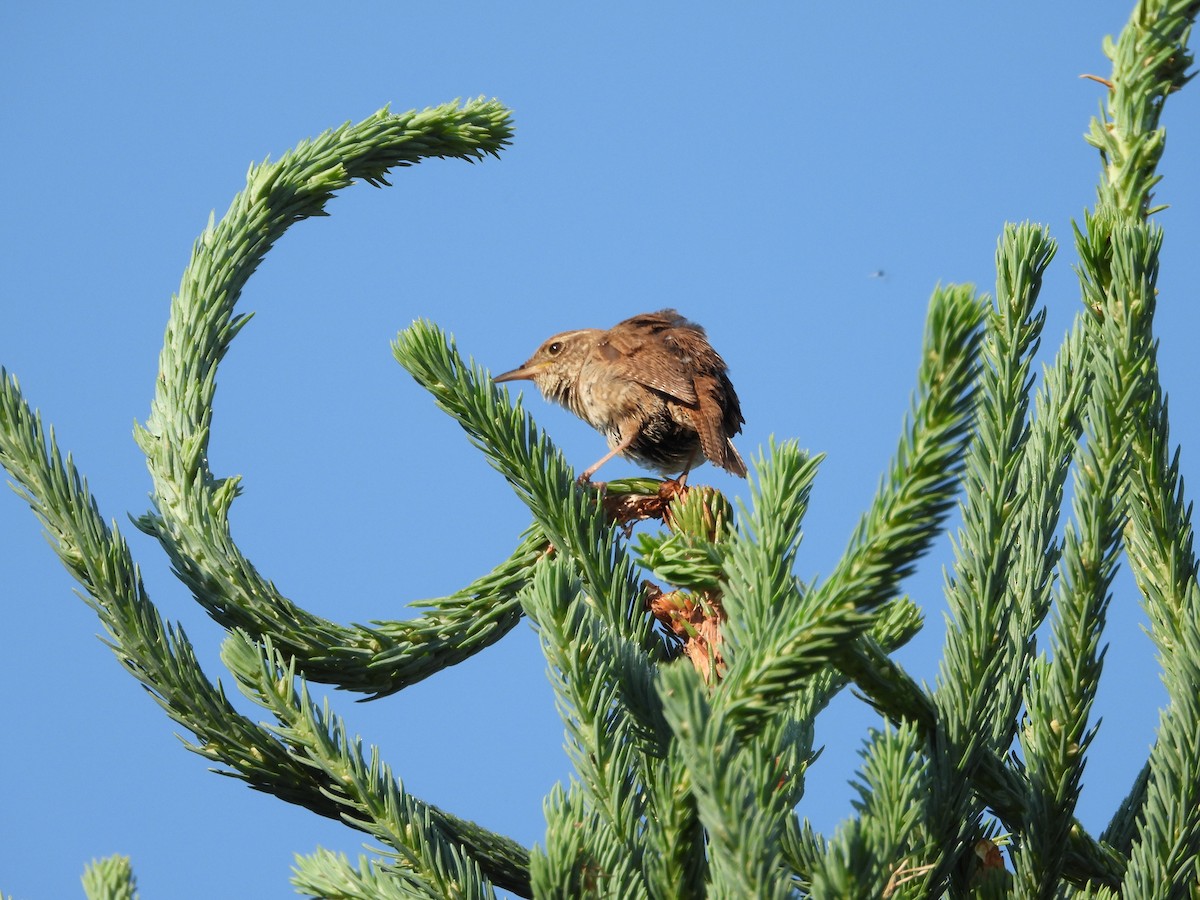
(653,385)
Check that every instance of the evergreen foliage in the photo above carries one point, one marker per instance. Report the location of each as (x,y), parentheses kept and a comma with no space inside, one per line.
(689,714)
(110,879)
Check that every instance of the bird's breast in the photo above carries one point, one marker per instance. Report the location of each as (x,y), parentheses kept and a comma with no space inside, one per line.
(614,404)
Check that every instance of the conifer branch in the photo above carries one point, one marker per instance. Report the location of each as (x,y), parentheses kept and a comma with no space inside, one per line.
(1160,820)
(821,623)
(922,481)
(882,681)
(880,853)
(190,518)
(327,874)
(581,860)
(1120,353)
(1150,61)
(745,853)
(1061,689)
(160,656)
(110,878)
(1158,539)
(368,795)
(726,772)
(586,672)
(778,638)
(677,864)
(1166,850)
(1158,535)
(982,670)
(1042,469)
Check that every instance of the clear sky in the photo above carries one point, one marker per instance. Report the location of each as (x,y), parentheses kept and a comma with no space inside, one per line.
(755,166)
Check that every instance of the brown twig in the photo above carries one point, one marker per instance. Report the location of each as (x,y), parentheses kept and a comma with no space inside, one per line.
(696,621)
(627,510)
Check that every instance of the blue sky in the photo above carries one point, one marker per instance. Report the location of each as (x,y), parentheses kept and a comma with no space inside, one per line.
(751,167)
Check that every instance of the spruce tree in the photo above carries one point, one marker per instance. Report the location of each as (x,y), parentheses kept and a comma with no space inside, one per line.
(689,662)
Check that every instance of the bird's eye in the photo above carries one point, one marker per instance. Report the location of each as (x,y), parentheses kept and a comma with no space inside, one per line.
(554,348)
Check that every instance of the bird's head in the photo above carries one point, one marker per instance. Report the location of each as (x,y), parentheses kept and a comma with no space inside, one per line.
(556,365)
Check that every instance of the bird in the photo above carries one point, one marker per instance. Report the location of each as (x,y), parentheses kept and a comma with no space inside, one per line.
(652,385)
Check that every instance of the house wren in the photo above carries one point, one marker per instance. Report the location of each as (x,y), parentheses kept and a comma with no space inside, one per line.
(653,385)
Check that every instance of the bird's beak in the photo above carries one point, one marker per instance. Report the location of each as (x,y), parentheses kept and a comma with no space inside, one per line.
(525,371)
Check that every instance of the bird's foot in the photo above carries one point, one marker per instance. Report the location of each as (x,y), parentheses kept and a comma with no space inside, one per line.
(585,480)
(672,488)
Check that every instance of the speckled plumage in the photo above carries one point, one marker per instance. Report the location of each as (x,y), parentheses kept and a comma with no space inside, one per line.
(652,384)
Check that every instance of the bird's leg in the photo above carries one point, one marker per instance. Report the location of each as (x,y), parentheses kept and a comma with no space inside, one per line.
(682,479)
(620,448)
(671,488)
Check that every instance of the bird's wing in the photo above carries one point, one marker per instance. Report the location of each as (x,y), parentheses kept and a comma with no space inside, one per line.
(665,365)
